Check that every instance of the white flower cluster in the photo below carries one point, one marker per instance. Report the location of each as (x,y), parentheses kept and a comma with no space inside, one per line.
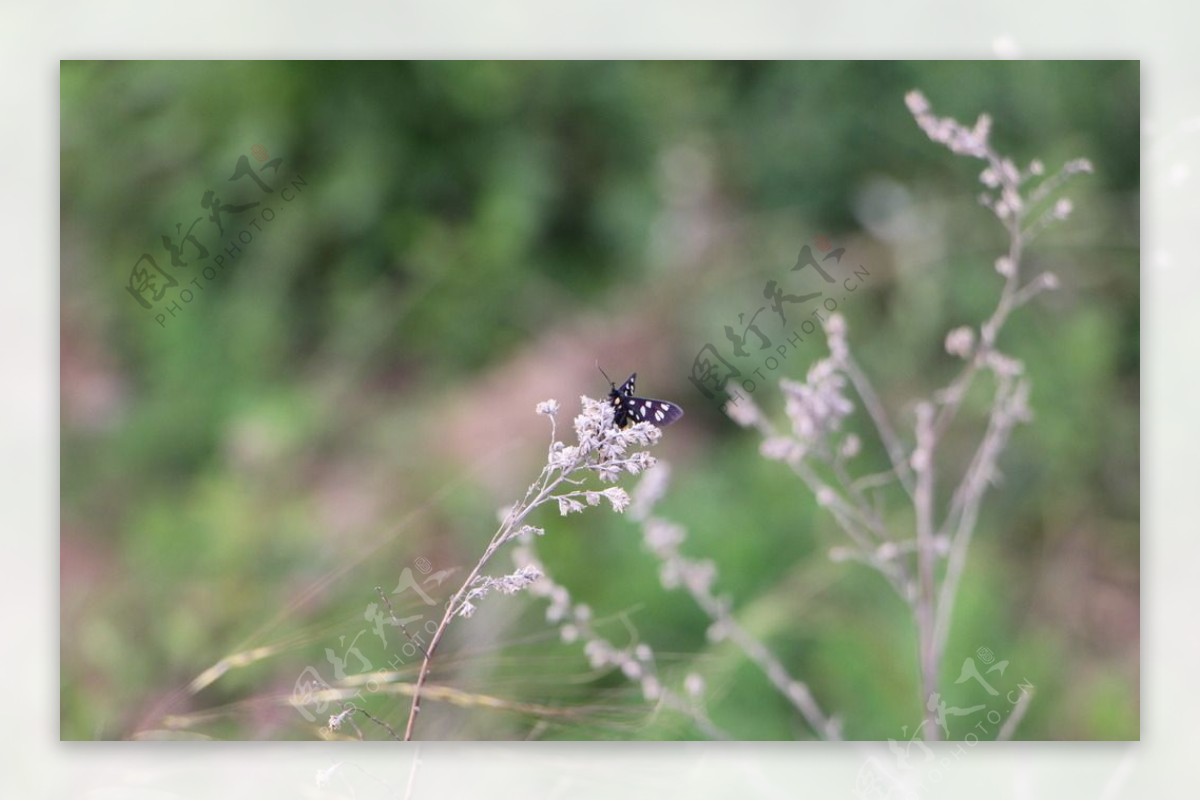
(815,407)
(1002,179)
(509,585)
(949,132)
(602,447)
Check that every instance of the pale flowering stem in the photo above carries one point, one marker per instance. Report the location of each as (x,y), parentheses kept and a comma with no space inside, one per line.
(698,715)
(985,454)
(855,524)
(512,520)
(891,442)
(935,606)
(796,691)
(1016,716)
(923,465)
(1028,292)
(666,550)
(586,632)
(870,515)
(967,500)
(793,689)
(1049,186)
(874,480)
(599,445)
(956,390)
(856,521)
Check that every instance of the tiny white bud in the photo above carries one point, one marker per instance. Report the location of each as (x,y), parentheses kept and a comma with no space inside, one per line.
(776,448)
(743,412)
(840,554)
(916,102)
(835,326)
(851,446)
(960,341)
(1005,365)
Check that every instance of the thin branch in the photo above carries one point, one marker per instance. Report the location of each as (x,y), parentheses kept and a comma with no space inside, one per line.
(453,607)
(399,623)
(1006,411)
(662,539)
(1016,716)
(636,662)
(601,447)
(923,465)
(891,442)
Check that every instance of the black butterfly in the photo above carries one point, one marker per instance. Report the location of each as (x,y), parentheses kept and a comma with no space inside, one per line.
(627,409)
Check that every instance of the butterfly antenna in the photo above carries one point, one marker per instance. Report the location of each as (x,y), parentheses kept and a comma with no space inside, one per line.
(606,378)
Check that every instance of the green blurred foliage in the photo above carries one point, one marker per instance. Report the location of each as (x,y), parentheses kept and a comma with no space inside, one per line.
(243,476)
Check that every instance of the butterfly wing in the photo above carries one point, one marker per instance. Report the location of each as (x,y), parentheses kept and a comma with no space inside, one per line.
(627,388)
(628,409)
(659,412)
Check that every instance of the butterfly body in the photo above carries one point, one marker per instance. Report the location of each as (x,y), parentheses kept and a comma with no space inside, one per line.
(629,409)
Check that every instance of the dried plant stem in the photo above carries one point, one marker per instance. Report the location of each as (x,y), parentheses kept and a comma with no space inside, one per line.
(891,442)
(796,691)
(817,409)
(379,722)
(636,662)
(697,577)
(603,451)
(856,521)
(924,604)
(511,521)
(964,506)
(1016,716)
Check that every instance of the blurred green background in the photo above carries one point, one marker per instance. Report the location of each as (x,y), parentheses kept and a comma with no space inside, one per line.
(353,395)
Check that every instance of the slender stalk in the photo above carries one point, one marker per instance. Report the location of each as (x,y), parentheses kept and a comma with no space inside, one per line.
(964,508)
(874,407)
(603,450)
(513,519)
(924,608)
(1016,716)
